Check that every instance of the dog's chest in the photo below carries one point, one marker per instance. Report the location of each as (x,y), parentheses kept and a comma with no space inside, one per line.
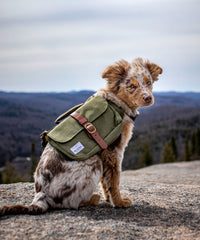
(127,131)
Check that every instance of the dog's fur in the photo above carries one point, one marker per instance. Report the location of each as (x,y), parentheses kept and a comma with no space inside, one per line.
(70,184)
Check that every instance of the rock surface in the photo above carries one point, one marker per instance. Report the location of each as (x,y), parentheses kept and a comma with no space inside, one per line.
(166,205)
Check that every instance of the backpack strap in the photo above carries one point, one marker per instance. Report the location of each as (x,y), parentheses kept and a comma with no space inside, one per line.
(66,114)
(90,129)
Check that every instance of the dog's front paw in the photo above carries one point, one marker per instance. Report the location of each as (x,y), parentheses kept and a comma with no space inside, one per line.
(125,202)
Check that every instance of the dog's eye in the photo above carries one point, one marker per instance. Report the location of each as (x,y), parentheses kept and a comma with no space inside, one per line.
(149,83)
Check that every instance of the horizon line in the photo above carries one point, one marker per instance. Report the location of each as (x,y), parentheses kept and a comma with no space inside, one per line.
(86,90)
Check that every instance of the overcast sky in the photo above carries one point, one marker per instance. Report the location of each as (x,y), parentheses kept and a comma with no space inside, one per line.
(62,45)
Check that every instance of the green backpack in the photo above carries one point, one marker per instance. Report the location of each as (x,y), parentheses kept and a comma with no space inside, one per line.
(74,140)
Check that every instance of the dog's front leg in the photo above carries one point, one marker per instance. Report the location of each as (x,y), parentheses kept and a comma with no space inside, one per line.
(111,178)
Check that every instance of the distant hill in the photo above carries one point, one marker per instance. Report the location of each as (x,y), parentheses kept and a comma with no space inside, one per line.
(23,116)
(177,98)
(49,102)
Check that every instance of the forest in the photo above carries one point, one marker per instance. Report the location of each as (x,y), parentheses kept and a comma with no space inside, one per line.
(168,131)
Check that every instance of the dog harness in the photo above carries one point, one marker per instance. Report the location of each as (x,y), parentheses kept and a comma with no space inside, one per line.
(86,129)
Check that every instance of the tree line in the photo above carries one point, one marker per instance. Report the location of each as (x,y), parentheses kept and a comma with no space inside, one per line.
(170,153)
(11,175)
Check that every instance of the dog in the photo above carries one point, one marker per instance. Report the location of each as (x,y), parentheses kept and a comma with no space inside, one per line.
(60,183)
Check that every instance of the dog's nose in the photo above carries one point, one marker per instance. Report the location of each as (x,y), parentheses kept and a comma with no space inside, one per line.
(147,99)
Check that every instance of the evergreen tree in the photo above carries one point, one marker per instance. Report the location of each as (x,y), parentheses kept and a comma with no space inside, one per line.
(34,161)
(193,143)
(10,174)
(146,158)
(168,155)
(1,178)
(187,155)
(173,146)
(198,142)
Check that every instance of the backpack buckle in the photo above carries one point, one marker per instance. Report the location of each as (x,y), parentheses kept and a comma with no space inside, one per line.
(90,127)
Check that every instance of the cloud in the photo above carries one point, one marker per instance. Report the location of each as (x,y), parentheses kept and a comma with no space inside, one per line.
(64,40)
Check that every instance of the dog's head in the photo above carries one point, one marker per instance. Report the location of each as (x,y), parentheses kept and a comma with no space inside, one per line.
(132,82)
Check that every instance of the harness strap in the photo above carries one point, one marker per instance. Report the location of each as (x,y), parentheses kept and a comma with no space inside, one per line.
(90,129)
(133,118)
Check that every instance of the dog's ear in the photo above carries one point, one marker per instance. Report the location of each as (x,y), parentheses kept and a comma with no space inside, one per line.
(115,74)
(154,70)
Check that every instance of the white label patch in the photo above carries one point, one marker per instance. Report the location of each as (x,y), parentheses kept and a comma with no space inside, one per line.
(77,147)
